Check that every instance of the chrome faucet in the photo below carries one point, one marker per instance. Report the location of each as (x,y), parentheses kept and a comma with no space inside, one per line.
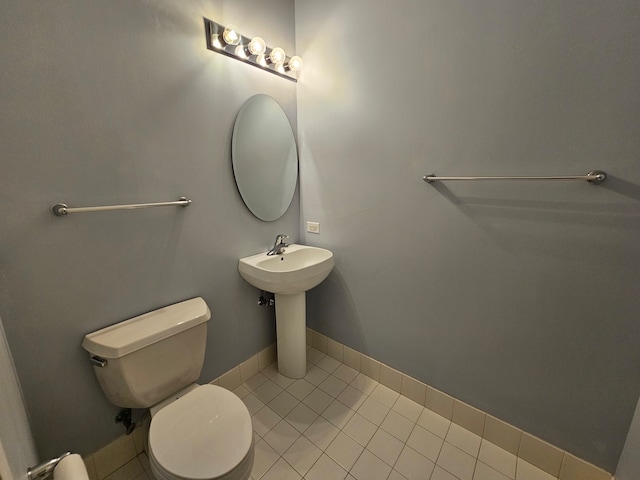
(279,244)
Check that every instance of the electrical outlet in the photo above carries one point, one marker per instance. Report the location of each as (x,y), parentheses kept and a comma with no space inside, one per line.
(313,227)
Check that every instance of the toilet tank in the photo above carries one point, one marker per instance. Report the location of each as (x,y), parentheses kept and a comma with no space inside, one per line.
(142,361)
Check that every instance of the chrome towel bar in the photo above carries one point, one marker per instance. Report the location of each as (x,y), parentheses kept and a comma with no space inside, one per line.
(61,209)
(595,177)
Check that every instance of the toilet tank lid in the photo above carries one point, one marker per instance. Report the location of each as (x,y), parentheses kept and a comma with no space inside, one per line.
(138,332)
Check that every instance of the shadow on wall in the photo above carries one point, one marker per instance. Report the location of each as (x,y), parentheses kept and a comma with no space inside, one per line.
(520,210)
(339,318)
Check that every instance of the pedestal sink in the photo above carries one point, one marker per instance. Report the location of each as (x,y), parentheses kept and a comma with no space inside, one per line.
(289,275)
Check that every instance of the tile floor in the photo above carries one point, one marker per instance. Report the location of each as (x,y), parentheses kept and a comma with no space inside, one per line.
(337,423)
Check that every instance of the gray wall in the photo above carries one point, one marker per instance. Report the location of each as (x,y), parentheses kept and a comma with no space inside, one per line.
(629,465)
(120,102)
(518,298)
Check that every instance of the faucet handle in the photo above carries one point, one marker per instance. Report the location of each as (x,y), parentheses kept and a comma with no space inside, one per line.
(280,237)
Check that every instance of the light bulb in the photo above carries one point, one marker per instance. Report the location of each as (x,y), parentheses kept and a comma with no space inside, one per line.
(277,56)
(256,46)
(295,64)
(231,35)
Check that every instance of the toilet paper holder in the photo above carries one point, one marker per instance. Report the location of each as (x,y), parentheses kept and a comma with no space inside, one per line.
(44,469)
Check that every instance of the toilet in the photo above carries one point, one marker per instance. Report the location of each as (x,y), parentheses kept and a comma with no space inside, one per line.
(197,432)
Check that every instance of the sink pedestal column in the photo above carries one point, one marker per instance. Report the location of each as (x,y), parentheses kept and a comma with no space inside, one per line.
(291,334)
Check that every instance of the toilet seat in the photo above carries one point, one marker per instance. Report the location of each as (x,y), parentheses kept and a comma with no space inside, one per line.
(205,434)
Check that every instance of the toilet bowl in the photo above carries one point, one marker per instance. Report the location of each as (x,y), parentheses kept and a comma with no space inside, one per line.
(197,432)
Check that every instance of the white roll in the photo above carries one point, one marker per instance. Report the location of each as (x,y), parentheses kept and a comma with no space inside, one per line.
(70,467)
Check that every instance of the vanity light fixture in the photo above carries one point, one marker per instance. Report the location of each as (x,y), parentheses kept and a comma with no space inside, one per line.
(256,46)
(230,35)
(295,64)
(254,51)
(277,56)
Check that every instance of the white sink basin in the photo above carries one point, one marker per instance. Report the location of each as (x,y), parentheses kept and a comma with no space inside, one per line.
(298,269)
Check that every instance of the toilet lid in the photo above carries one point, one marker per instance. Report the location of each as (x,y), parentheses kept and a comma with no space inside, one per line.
(204,434)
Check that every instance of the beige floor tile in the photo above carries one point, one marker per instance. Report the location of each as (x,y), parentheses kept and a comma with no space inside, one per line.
(128,471)
(241,391)
(270,370)
(434,422)
(498,459)
(457,462)
(360,429)
(408,408)
(385,446)
(264,420)
(345,373)
(394,475)
(370,467)
(344,450)
(267,391)
(352,397)
(301,417)
(255,381)
(281,437)
(314,355)
(318,400)
(441,474)
(485,472)
(332,386)
(300,388)
(364,384)
(326,469)
(328,364)
(373,411)
(281,470)
(264,458)
(302,455)
(465,440)
(425,443)
(283,403)
(414,466)
(281,380)
(338,413)
(384,395)
(315,375)
(397,425)
(113,456)
(253,403)
(321,433)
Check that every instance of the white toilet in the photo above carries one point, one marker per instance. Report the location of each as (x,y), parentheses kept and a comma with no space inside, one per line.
(197,432)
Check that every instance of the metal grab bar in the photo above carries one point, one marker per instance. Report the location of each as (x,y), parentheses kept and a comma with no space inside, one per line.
(61,209)
(595,177)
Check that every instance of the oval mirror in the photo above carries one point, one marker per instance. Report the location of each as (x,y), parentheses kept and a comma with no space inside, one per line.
(264,157)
